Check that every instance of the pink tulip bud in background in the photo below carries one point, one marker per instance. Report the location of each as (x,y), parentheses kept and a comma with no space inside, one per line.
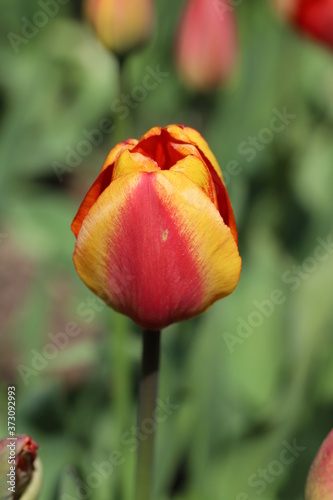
(207,44)
(319,484)
(122,25)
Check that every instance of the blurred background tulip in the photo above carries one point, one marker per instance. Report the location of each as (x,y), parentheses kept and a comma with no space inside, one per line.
(20,469)
(207,44)
(312,17)
(319,485)
(122,25)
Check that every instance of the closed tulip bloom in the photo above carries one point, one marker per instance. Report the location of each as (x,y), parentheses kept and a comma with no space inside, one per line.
(207,44)
(20,470)
(156,234)
(122,25)
(319,484)
(312,17)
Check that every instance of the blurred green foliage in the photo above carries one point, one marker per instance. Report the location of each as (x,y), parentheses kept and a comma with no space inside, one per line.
(241,393)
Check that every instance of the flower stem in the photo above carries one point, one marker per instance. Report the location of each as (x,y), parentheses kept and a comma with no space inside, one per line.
(121,387)
(146,422)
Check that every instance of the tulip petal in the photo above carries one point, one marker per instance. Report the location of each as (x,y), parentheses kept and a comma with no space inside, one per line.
(156,145)
(196,170)
(206,45)
(191,136)
(184,149)
(167,149)
(315,17)
(188,134)
(117,150)
(319,484)
(130,162)
(218,257)
(155,131)
(121,26)
(102,181)
(155,248)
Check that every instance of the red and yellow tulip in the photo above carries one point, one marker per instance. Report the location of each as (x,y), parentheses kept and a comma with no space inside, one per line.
(207,44)
(122,25)
(319,484)
(312,17)
(156,233)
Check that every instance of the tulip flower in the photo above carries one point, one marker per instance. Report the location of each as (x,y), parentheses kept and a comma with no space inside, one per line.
(312,17)
(122,25)
(19,469)
(156,233)
(319,484)
(207,44)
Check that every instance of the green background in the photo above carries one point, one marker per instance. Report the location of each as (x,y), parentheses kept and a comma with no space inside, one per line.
(238,393)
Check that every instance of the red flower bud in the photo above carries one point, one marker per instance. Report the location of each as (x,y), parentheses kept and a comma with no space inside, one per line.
(319,484)
(17,467)
(122,25)
(207,45)
(312,17)
(156,234)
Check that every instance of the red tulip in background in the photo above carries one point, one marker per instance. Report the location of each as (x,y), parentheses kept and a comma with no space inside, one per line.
(156,234)
(17,466)
(312,17)
(122,25)
(319,485)
(207,44)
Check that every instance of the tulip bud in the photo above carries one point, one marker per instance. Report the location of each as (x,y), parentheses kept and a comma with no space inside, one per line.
(313,17)
(20,471)
(156,234)
(319,484)
(122,25)
(207,44)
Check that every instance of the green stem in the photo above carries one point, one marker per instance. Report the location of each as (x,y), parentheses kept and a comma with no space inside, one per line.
(125,126)
(146,422)
(121,386)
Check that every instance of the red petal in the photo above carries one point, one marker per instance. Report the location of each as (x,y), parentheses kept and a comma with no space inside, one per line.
(316,18)
(159,147)
(101,183)
(223,200)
